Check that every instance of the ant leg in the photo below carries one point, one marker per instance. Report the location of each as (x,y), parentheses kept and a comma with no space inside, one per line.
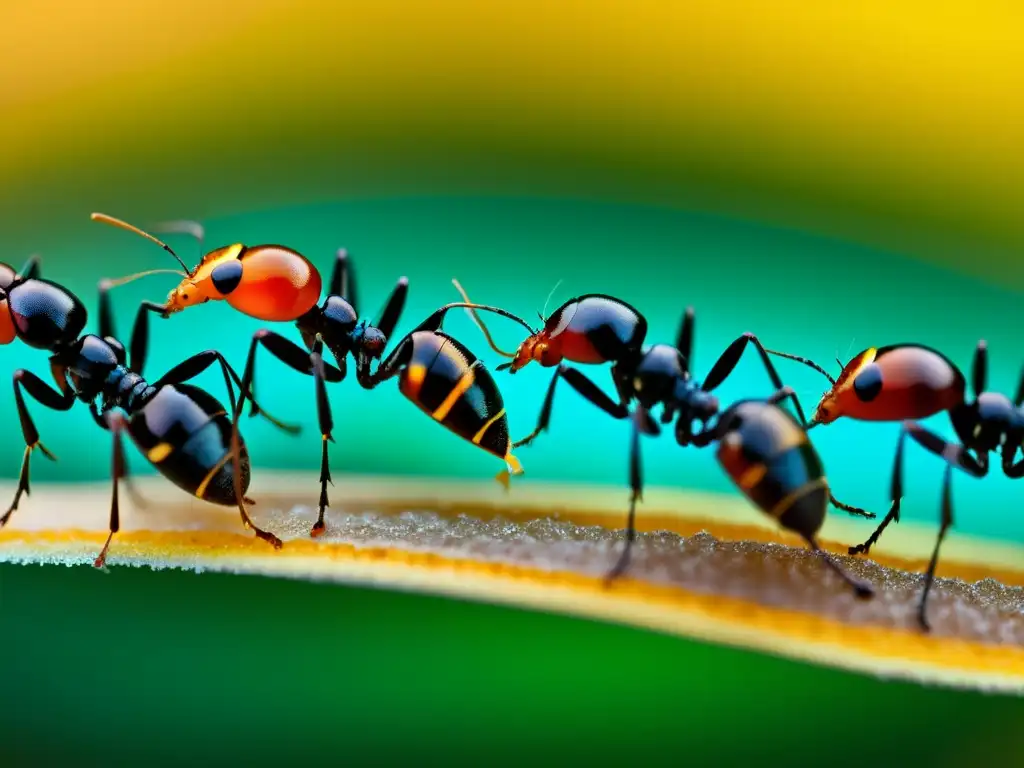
(896,494)
(1011,470)
(684,342)
(860,588)
(343,279)
(979,370)
(945,522)
(31,269)
(106,325)
(728,360)
(235,457)
(50,398)
(591,392)
(311,363)
(193,366)
(393,308)
(101,421)
(642,422)
(849,508)
(139,342)
(584,387)
(545,411)
(1018,399)
(118,471)
(289,353)
(326,423)
(952,453)
(778,397)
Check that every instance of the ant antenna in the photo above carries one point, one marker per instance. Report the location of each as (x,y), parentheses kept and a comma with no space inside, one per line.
(805,361)
(105,219)
(131,278)
(544,312)
(483,328)
(193,229)
(849,347)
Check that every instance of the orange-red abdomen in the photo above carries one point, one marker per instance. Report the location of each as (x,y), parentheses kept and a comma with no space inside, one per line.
(894,383)
(8,332)
(277,284)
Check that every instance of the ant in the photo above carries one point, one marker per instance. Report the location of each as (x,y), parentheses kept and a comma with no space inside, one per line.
(907,382)
(595,329)
(181,429)
(767,454)
(437,373)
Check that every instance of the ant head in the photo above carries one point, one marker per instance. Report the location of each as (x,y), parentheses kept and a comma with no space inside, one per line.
(703,405)
(537,347)
(828,409)
(858,383)
(186,294)
(371,342)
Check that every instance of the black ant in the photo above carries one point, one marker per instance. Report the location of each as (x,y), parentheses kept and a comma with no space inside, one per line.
(595,329)
(767,454)
(438,373)
(181,429)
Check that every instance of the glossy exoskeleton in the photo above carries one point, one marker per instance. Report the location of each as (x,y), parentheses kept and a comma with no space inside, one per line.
(440,375)
(181,429)
(767,454)
(906,382)
(597,328)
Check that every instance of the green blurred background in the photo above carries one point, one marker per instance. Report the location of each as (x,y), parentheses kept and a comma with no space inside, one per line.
(830,180)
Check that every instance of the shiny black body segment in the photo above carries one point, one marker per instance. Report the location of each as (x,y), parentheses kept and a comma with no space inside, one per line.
(181,429)
(336,325)
(765,451)
(789,484)
(768,456)
(447,381)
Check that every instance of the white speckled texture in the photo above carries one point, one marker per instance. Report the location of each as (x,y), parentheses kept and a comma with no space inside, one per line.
(769,574)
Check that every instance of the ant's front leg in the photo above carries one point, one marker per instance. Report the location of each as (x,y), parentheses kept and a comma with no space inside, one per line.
(56,400)
(642,422)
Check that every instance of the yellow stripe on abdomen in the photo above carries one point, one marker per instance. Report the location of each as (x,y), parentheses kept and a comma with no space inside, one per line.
(487,425)
(201,490)
(783,506)
(461,387)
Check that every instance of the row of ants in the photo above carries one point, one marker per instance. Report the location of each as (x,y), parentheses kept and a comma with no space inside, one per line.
(190,438)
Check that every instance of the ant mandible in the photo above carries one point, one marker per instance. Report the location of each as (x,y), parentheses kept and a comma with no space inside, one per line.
(595,329)
(907,382)
(437,373)
(181,429)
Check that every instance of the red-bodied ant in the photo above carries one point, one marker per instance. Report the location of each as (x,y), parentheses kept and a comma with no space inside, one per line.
(595,329)
(436,372)
(906,382)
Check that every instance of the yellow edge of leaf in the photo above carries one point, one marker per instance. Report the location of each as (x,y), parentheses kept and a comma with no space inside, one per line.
(885,651)
(712,618)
